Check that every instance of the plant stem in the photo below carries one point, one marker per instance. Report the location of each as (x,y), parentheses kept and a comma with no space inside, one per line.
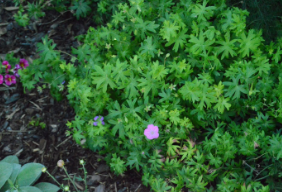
(53,178)
(70,178)
(85,177)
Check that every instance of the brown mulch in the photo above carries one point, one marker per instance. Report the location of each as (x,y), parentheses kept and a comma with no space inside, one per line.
(31,143)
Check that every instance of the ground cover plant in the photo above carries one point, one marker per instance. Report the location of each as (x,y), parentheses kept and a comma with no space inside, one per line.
(180,90)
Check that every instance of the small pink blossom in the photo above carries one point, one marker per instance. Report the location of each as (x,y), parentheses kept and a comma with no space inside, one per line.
(23,63)
(10,79)
(1,79)
(5,63)
(152,132)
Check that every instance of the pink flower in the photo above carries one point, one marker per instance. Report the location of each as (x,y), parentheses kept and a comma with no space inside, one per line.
(152,132)
(5,63)
(1,79)
(10,79)
(7,67)
(23,63)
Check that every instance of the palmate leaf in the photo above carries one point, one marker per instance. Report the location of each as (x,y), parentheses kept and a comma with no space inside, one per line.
(134,160)
(199,45)
(149,47)
(275,146)
(234,89)
(120,72)
(169,30)
(131,90)
(81,8)
(222,103)
(191,91)
(118,18)
(202,12)
(103,77)
(249,43)
(118,128)
(158,71)
(149,84)
(207,97)
(179,40)
(160,185)
(83,52)
(187,152)
(145,27)
(227,47)
(46,49)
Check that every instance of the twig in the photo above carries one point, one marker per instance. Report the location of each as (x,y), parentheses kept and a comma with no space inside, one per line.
(36,105)
(116,186)
(18,153)
(52,20)
(64,141)
(3,24)
(137,188)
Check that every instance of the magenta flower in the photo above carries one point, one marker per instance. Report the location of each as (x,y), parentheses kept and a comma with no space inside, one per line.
(152,132)
(23,63)
(5,63)
(7,67)
(96,123)
(10,79)
(1,79)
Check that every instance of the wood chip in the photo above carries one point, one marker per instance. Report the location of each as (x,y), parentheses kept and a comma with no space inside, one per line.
(36,105)
(42,144)
(12,114)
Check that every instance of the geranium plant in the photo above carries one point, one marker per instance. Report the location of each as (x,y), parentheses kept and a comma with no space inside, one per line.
(193,70)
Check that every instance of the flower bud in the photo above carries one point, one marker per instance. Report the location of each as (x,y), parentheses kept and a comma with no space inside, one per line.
(60,163)
(43,169)
(66,188)
(81,162)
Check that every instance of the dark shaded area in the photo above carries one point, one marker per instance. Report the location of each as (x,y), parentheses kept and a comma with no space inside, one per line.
(264,14)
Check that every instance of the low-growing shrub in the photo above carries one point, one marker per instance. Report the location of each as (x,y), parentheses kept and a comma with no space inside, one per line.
(180,90)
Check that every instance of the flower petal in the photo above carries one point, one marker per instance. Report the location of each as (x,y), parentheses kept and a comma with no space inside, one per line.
(95,118)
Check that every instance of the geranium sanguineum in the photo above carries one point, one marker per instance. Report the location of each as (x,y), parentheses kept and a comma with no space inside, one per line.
(152,132)
(10,79)
(95,123)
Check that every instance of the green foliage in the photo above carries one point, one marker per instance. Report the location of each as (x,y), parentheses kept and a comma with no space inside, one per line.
(192,68)
(265,15)
(36,123)
(21,19)
(14,177)
(80,8)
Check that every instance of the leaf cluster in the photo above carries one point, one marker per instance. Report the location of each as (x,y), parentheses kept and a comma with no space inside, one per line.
(211,85)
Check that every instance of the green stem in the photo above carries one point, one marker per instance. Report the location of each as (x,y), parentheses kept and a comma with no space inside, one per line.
(53,178)
(70,179)
(85,177)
